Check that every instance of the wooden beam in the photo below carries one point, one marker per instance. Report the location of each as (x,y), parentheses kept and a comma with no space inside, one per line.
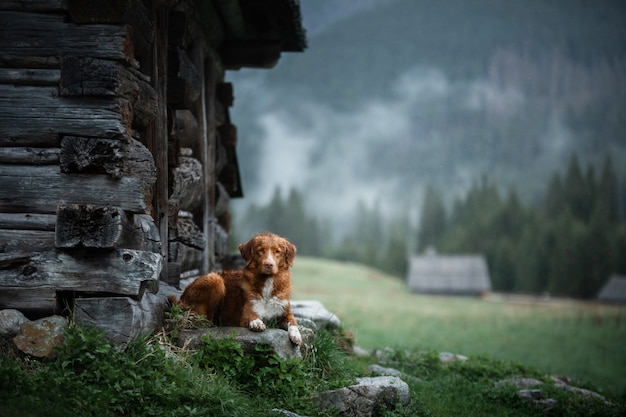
(188,184)
(29,76)
(98,77)
(106,228)
(188,232)
(81,155)
(28,155)
(40,189)
(50,35)
(184,78)
(28,221)
(122,319)
(33,5)
(122,271)
(36,240)
(156,134)
(186,129)
(92,226)
(38,115)
(189,259)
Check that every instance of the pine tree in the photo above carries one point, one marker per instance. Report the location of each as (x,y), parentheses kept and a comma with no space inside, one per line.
(432,223)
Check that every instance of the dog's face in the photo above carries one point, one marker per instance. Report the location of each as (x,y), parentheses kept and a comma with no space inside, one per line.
(268,253)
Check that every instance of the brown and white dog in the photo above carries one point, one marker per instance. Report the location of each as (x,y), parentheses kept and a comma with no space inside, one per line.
(252,296)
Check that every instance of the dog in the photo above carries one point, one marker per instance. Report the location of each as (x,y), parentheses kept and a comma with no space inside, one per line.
(250,297)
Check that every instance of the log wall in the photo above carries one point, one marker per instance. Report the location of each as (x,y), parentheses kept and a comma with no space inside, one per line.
(116,156)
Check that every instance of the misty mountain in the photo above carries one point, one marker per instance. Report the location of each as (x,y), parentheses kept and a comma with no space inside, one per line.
(395,95)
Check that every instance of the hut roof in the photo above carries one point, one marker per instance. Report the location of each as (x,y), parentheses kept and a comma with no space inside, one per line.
(449,274)
(614,291)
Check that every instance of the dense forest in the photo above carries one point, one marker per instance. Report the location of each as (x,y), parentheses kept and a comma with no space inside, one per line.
(567,244)
(392,95)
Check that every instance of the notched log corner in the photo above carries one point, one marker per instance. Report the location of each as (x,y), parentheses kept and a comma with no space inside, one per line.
(81,155)
(89,226)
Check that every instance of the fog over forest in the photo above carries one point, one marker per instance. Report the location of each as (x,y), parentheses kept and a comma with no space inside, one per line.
(395,95)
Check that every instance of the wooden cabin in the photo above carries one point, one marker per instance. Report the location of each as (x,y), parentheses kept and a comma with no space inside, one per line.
(117,150)
(432,273)
(614,290)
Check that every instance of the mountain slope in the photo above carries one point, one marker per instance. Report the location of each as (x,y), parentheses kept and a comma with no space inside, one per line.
(406,93)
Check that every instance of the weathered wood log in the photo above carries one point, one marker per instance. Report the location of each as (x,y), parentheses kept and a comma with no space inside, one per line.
(185,83)
(188,232)
(173,274)
(132,12)
(45,35)
(36,301)
(147,229)
(187,257)
(188,184)
(220,239)
(28,155)
(28,221)
(40,189)
(35,115)
(20,76)
(228,134)
(104,227)
(33,5)
(118,159)
(91,226)
(99,77)
(186,129)
(36,240)
(122,271)
(122,319)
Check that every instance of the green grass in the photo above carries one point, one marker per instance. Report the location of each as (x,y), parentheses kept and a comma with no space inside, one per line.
(90,377)
(578,339)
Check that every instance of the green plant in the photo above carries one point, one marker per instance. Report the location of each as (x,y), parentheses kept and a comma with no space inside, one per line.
(260,371)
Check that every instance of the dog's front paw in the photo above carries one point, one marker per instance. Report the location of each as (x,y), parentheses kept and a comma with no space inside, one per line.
(257,325)
(294,334)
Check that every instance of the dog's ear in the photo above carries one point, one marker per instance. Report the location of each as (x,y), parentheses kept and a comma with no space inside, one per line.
(246,251)
(290,252)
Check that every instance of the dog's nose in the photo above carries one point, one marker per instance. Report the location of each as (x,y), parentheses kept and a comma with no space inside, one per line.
(268,264)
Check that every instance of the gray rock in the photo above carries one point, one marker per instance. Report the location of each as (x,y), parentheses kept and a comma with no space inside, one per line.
(276,338)
(447,357)
(367,398)
(10,322)
(286,413)
(41,337)
(381,370)
(581,391)
(316,312)
(530,394)
(519,382)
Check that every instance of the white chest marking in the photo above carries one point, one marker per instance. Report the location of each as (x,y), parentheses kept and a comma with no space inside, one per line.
(268,306)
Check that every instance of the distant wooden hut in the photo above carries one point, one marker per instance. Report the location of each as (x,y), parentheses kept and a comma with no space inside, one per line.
(117,150)
(448,274)
(614,291)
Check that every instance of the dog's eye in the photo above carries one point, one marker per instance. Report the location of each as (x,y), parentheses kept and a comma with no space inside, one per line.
(277,251)
(260,250)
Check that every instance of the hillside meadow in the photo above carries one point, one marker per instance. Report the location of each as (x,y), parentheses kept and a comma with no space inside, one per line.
(583,340)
